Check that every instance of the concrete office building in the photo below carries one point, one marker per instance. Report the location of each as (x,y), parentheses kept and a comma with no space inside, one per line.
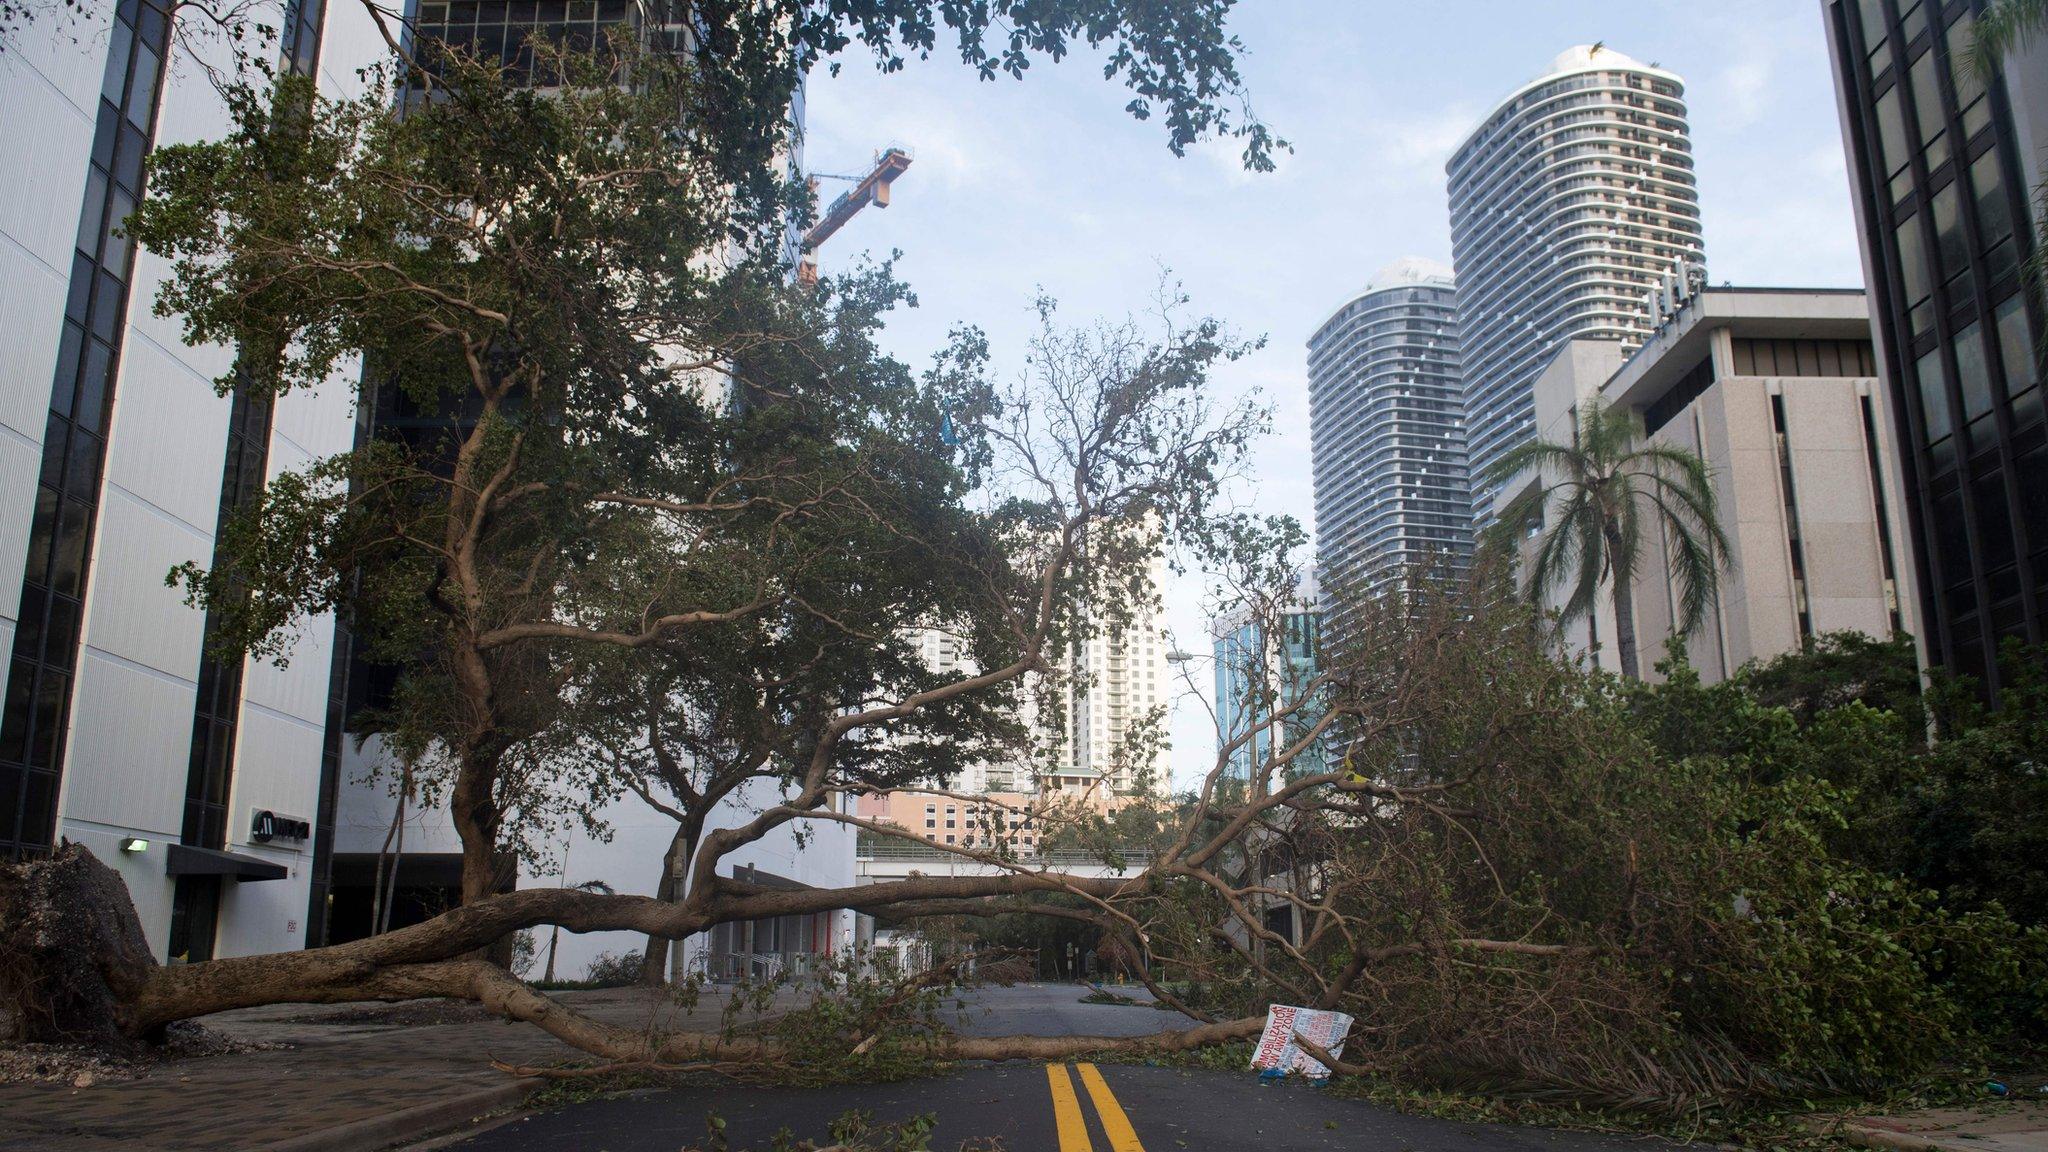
(1387,429)
(1942,166)
(198,781)
(1777,389)
(1571,201)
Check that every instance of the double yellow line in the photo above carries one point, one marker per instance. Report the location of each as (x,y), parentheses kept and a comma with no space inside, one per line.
(1066,1111)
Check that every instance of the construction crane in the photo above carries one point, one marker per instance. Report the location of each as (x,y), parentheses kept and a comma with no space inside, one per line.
(872,188)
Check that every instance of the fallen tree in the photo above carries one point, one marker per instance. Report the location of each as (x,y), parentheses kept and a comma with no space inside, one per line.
(1499,863)
(1503,878)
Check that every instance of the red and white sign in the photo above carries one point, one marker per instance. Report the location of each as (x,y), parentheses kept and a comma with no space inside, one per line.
(1278,1054)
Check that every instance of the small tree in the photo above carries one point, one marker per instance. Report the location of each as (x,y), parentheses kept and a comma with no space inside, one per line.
(1600,494)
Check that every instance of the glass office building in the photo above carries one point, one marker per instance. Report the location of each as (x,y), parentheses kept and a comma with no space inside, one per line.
(1941,161)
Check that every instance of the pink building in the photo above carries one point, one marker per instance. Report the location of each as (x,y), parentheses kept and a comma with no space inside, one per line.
(1017,818)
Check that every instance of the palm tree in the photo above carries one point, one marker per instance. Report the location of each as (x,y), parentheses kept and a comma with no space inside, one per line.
(2003,26)
(1608,489)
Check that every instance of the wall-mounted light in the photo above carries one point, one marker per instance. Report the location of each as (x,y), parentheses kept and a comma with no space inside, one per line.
(134,844)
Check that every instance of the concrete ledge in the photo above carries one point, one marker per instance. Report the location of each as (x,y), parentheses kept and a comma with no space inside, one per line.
(409,1124)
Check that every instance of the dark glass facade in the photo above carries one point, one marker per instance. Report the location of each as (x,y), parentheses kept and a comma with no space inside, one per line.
(35,715)
(217,709)
(1937,173)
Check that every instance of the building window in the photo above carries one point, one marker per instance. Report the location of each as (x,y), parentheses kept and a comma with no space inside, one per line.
(1973,378)
(1932,384)
(1915,276)
(2022,365)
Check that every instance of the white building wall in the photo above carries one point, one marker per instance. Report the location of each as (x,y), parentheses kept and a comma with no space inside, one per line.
(48,89)
(819,853)
(131,716)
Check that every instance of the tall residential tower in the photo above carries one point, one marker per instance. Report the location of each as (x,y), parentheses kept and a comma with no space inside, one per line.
(1571,203)
(1386,427)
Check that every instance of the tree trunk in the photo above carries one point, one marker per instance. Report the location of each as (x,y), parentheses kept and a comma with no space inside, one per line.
(681,848)
(74,965)
(73,959)
(487,869)
(1624,614)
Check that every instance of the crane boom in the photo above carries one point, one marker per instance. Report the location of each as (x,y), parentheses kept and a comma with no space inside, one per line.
(872,188)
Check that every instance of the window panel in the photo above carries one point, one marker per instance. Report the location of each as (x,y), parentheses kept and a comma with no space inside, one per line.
(42,531)
(120,206)
(114,78)
(1973,372)
(90,409)
(2017,348)
(67,556)
(83,473)
(90,218)
(1968,85)
(1994,521)
(142,90)
(1994,212)
(79,303)
(47,719)
(60,634)
(1933,386)
(28,629)
(14,713)
(106,134)
(1914,272)
(1912,21)
(106,306)
(1927,110)
(128,151)
(1949,241)
(1870,14)
(38,807)
(56,437)
(1891,131)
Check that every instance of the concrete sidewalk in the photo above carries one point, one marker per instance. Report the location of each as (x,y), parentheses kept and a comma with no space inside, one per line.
(2012,1125)
(354,1077)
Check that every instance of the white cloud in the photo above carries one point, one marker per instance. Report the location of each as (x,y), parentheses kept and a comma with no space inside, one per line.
(1745,87)
(1413,150)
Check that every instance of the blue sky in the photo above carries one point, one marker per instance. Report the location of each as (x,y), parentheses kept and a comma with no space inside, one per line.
(1048,184)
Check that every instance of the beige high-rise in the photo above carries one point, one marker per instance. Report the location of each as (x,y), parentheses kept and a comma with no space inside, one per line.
(1778,390)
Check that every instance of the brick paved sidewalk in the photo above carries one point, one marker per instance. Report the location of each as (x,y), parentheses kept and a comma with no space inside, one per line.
(345,1080)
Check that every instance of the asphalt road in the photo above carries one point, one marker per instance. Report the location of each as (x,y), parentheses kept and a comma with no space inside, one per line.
(1021,1107)
(1056,1010)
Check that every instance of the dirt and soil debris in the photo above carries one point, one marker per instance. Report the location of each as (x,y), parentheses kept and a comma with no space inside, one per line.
(83,1065)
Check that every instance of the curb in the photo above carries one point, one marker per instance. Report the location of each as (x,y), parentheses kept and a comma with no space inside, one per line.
(421,1122)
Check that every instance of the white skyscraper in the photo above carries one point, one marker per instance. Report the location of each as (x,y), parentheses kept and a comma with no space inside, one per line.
(1387,427)
(1571,204)
(1122,685)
